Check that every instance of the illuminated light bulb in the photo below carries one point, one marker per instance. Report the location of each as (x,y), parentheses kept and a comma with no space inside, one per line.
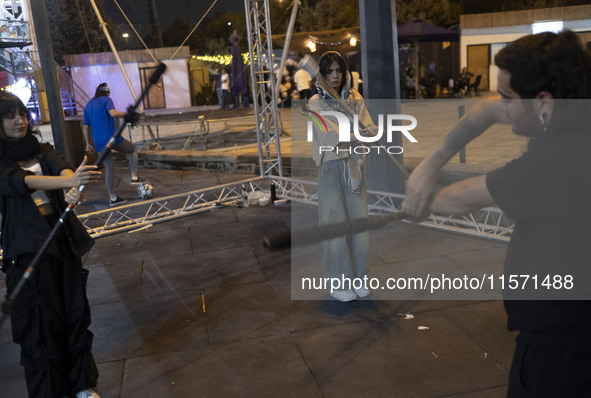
(21,90)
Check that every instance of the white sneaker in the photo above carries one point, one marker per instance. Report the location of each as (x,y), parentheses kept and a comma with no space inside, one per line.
(344,295)
(362,292)
(90,393)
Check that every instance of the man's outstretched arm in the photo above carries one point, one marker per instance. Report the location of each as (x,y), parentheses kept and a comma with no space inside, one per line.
(463,197)
(421,183)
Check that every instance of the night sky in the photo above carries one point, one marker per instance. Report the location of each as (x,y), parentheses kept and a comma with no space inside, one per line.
(189,11)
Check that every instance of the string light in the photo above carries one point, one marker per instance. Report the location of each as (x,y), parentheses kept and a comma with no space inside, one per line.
(313,42)
(221,59)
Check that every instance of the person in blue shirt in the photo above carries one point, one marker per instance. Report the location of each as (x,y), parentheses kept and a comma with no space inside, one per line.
(99,119)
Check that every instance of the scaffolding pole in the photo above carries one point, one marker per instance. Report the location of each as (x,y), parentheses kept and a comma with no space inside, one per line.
(263,86)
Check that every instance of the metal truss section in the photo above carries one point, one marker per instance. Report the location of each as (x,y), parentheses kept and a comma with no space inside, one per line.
(146,213)
(489,223)
(12,9)
(263,86)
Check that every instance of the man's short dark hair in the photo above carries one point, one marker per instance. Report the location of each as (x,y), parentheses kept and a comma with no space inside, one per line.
(556,63)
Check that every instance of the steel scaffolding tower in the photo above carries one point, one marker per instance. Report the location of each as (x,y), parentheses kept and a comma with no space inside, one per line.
(263,86)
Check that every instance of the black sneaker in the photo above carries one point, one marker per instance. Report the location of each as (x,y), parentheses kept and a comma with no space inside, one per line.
(137,180)
(117,201)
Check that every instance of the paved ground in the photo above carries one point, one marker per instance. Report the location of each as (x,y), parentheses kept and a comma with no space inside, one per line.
(148,291)
(197,307)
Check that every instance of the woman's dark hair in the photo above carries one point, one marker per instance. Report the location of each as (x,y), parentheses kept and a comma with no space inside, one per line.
(556,63)
(11,104)
(327,59)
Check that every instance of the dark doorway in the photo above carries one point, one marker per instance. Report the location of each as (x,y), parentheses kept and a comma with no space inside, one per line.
(155,98)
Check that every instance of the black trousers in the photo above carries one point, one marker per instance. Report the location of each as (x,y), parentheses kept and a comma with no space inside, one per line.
(305,94)
(549,366)
(50,322)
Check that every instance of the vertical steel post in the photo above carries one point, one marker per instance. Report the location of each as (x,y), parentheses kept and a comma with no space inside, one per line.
(47,61)
(263,86)
(294,13)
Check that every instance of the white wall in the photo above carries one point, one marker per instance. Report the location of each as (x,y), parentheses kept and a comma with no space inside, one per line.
(493,70)
(177,90)
(88,77)
(175,81)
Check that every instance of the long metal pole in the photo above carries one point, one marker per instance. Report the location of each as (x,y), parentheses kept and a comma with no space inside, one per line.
(396,64)
(155,23)
(114,50)
(292,19)
(28,16)
(49,72)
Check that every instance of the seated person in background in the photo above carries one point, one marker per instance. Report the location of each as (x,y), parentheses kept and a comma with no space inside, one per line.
(463,80)
(410,83)
(4,32)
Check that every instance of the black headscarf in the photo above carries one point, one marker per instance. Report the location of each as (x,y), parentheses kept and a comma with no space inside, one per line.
(21,149)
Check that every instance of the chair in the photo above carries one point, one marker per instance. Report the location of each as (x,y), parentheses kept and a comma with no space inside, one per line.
(474,86)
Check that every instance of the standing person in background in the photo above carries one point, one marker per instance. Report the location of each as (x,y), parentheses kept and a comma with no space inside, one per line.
(239,78)
(342,186)
(99,119)
(225,84)
(217,87)
(545,85)
(410,84)
(433,70)
(303,82)
(355,80)
(51,314)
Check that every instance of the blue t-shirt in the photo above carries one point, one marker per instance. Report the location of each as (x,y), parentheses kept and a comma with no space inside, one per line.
(102,124)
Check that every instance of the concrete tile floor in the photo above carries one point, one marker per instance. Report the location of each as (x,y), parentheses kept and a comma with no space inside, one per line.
(154,339)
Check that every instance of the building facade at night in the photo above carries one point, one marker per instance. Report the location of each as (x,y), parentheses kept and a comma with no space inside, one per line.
(483,35)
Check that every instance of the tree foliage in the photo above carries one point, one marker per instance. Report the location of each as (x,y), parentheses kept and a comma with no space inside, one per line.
(75,28)
(212,36)
(328,15)
(176,34)
(280,13)
(436,12)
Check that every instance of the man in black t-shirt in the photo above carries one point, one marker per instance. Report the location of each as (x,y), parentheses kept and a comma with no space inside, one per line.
(545,85)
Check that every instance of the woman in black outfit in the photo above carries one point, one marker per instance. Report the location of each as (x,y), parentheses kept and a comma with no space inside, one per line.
(51,313)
